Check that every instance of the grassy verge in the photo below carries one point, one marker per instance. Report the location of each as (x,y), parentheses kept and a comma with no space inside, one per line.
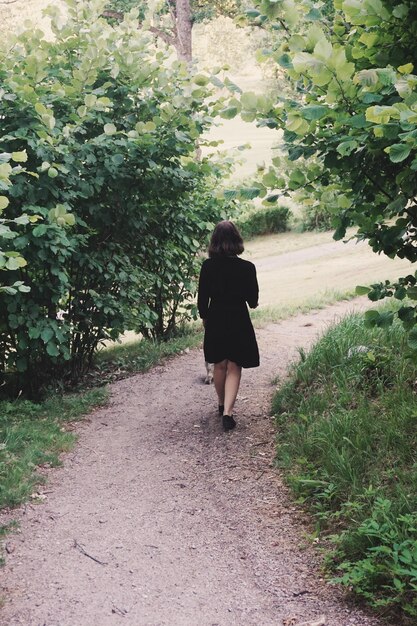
(347,438)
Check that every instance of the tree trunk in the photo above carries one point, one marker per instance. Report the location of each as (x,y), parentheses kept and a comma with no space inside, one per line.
(183,27)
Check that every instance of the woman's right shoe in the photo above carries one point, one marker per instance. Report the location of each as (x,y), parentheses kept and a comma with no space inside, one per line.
(228,422)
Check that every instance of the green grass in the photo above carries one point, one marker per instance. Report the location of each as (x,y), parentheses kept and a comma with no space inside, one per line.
(347,440)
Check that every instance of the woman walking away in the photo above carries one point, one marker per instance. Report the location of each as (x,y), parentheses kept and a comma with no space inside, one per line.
(226,284)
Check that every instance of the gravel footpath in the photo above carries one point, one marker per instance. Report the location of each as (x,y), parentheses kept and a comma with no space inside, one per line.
(159,517)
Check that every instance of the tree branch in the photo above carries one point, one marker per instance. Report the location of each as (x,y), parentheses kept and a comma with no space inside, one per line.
(168,39)
(116,15)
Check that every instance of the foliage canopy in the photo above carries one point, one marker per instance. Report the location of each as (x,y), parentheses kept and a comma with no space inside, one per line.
(350,129)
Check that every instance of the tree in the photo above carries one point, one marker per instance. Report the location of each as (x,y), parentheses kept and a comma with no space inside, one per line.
(350,131)
(173,20)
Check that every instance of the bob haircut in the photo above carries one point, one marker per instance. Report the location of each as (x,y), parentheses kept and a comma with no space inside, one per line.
(225,240)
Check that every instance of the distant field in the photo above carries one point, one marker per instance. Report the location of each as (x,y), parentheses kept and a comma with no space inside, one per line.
(13,15)
(296,267)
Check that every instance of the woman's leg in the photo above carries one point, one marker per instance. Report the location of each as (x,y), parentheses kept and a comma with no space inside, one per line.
(231,388)
(219,377)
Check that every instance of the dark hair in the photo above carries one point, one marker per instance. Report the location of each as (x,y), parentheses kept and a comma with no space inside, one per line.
(225,240)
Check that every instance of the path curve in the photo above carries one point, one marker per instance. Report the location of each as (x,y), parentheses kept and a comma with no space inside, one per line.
(189,526)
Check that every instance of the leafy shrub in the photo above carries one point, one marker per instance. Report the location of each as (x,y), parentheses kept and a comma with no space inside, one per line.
(263,221)
(347,437)
(315,217)
(108,125)
(387,574)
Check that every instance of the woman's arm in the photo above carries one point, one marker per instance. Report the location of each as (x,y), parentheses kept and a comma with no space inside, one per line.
(203,292)
(252,288)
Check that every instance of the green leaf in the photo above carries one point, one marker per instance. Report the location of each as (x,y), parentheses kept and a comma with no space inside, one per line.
(117,159)
(366,77)
(110,129)
(412,339)
(90,100)
(150,126)
(20,157)
(47,334)
(249,100)
(372,318)
(362,291)
(4,203)
(347,147)
(15,263)
(252,13)
(249,193)
(201,80)
(285,61)
(323,49)
(401,11)
(398,152)
(229,113)
(52,349)
(412,293)
(314,112)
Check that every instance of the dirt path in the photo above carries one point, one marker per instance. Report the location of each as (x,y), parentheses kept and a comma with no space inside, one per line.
(190,526)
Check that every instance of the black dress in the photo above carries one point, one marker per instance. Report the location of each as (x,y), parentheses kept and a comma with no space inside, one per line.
(226,284)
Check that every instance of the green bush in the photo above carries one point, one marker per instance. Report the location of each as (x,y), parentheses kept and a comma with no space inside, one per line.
(347,435)
(263,221)
(316,217)
(105,125)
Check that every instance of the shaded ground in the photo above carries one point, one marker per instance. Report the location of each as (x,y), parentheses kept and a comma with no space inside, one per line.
(188,525)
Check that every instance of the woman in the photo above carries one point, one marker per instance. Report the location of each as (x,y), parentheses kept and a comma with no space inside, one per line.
(226,284)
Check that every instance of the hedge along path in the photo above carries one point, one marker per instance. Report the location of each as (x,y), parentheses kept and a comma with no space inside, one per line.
(158,517)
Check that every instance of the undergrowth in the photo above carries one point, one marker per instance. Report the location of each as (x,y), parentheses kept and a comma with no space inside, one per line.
(263,221)
(347,438)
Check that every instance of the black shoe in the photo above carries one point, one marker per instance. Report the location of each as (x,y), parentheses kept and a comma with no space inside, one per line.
(221,409)
(228,422)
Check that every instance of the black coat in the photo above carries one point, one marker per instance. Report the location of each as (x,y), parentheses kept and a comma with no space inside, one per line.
(226,284)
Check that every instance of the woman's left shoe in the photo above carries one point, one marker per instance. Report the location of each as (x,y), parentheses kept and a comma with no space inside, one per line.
(221,409)
(228,422)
